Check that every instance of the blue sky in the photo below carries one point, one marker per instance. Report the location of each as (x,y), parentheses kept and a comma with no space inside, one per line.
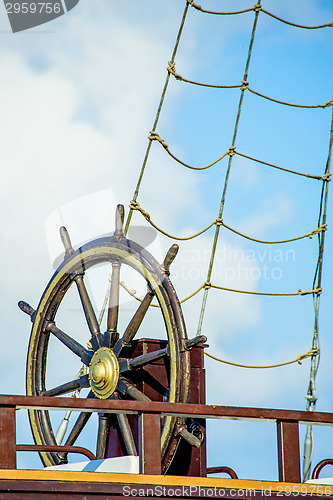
(78,99)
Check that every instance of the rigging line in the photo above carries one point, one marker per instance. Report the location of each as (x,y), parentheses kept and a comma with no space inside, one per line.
(306,106)
(258,6)
(136,192)
(311,393)
(319,229)
(154,136)
(208,285)
(192,294)
(312,352)
(319,219)
(172,70)
(198,7)
(317,291)
(217,231)
(329,25)
(132,293)
(325,177)
(134,205)
(323,206)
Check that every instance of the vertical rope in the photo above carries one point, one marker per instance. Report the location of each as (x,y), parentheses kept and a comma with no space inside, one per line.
(135,196)
(217,231)
(311,396)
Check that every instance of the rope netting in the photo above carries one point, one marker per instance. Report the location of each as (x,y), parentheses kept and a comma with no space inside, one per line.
(314,352)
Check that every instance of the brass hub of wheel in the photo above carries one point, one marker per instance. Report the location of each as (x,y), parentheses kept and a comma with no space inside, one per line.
(104,373)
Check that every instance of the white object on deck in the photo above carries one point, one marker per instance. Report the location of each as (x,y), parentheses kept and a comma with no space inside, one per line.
(127,465)
(322,480)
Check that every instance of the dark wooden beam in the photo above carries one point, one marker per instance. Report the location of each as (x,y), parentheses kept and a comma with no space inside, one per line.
(7,438)
(176,409)
(288,451)
(150,443)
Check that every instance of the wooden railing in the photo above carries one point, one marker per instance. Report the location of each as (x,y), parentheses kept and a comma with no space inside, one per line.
(150,413)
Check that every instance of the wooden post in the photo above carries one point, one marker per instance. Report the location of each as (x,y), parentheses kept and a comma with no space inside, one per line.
(7,438)
(150,443)
(288,451)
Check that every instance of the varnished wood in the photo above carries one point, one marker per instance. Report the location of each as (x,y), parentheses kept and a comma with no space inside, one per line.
(7,438)
(149,443)
(288,451)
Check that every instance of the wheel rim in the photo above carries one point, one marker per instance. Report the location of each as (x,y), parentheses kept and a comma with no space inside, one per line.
(128,253)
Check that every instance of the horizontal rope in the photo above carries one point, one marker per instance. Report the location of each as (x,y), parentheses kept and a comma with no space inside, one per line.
(312,352)
(172,70)
(132,293)
(217,13)
(326,177)
(134,205)
(208,285)
(245,86)
(328,25)
(258,7)
(319,229)
(316,290)
(154,136)
(284,103)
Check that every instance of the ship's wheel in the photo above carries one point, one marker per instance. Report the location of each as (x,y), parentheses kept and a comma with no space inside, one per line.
(110,369)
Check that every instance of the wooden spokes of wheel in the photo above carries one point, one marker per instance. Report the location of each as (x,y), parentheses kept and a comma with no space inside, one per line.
(111,371)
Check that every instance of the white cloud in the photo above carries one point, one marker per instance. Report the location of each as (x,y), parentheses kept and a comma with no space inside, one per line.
(53,154)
